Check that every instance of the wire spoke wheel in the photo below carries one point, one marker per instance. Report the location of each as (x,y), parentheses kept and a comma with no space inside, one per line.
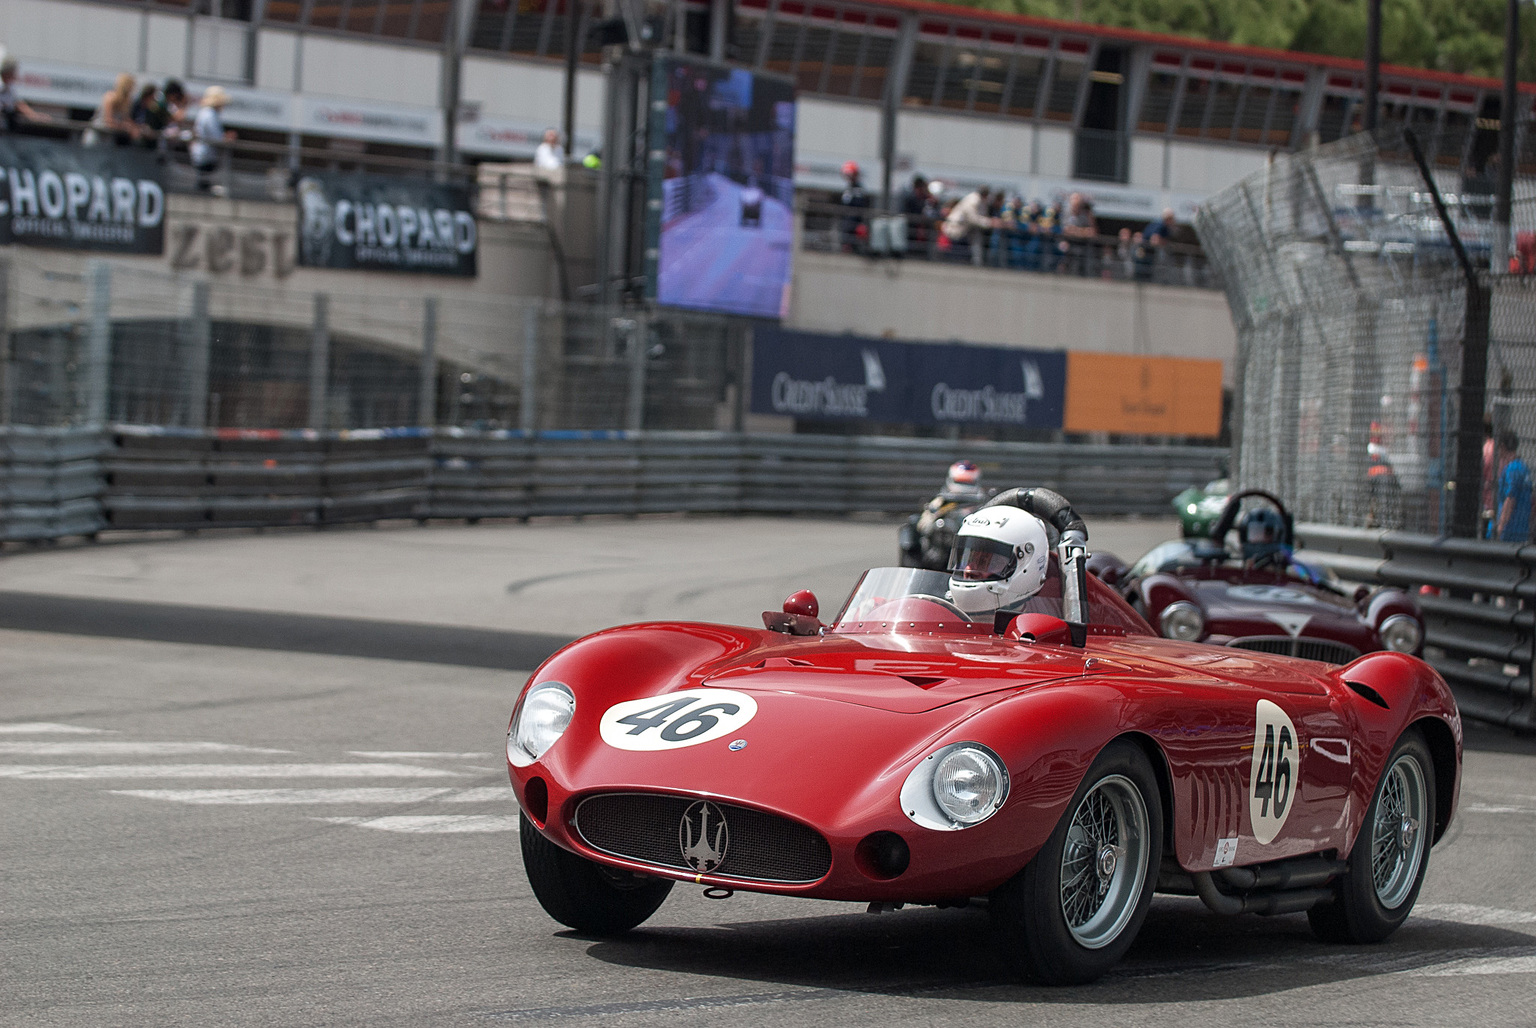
(1390,855)
(1104,861)
(1402,812)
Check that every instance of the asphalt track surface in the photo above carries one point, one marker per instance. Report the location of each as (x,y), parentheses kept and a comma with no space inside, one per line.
(255,779)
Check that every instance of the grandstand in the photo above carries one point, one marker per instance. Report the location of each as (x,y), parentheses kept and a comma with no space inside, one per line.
(1143,120)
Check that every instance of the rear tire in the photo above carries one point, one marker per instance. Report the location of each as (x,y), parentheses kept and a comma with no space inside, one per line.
(592,899)
(1391,854)
(1075,909)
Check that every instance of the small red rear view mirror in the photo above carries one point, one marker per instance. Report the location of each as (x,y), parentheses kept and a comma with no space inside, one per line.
(1040,628)
(803,603)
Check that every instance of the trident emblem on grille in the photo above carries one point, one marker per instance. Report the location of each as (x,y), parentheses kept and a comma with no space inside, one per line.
(703,836)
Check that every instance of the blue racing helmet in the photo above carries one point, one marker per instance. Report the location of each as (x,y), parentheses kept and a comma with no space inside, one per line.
(1262,531)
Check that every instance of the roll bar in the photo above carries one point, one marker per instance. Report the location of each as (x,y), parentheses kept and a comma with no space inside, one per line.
(1054,509)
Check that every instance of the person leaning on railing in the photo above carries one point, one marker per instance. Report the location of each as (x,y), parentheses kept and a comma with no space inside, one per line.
(14,111)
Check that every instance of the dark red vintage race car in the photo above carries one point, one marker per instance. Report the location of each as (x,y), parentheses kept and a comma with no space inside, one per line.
(1256,596)
(1063,763)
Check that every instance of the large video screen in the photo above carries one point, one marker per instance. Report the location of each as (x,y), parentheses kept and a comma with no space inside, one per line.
(722,188)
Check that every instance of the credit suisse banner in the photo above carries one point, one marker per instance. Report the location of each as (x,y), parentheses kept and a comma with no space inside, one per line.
(831,378)
(80,198)
(379,223)
(836,378)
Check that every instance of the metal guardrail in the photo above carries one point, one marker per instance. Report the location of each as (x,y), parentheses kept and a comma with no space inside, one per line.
(1478,609)
(145,479)
(50,482)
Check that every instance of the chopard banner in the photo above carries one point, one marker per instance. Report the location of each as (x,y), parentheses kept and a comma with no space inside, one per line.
(834,378)
(80,198)
(378,223)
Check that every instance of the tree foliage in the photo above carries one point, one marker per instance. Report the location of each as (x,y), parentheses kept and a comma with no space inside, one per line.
(1463,36)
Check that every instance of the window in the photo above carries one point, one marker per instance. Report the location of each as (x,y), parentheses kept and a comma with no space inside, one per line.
(1158,101)
(1062,103)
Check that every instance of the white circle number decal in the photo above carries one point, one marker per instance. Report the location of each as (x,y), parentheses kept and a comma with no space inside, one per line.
(1268,594)
(1272,780)
(676,719)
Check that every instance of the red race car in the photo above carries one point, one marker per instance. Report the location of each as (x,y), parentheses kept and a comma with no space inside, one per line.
(1009,730)
(1257,596)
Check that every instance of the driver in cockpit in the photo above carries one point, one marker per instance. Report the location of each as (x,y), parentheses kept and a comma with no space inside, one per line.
(1000,560)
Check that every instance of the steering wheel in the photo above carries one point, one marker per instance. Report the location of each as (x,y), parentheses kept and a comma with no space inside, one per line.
(1229,517)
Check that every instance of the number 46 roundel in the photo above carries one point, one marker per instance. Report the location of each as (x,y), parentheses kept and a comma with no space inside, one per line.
(1272,779)
(674,720)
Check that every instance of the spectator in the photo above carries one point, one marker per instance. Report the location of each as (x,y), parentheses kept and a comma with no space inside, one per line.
(208,138)
(851,229)
(1155,237)
(114,117)
(1079,228)
(967,222)
(1513,520)
(14,111)
(914,206)
(1126,247)
(549,155)
(153,113)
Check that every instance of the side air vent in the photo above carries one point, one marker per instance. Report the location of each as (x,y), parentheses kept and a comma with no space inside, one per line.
(1366,692)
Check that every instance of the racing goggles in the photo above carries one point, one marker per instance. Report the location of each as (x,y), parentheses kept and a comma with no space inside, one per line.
(982,560)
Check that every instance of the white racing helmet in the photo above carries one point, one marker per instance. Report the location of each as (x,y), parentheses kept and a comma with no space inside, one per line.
(1000,558)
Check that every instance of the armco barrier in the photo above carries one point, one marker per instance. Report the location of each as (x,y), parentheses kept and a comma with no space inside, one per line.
(148,478)
(1478,611)
(50,482)
(192,480)
(511,475)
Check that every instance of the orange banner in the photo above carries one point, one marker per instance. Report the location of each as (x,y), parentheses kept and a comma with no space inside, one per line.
(1111,392)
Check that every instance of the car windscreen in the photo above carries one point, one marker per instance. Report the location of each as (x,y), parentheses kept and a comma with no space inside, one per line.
(915,599)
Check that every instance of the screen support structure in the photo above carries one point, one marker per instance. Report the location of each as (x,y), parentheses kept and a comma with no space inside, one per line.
(623,175)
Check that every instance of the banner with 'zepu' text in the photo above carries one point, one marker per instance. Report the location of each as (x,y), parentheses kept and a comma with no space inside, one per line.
(383,223)
(73,197)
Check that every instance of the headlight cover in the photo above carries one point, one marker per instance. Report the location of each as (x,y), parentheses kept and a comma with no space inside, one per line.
(1183,621)
(1401,632)
(955,787)
(541,719)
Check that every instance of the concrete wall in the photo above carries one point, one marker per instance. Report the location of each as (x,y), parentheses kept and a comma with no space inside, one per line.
(919,300)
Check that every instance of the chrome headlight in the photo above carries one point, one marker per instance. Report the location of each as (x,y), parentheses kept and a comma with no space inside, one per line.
(955,787)
(1182,621)
(1401,632)
(541,719)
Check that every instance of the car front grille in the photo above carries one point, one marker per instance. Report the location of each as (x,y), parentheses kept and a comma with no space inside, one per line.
(645,827)
(1325,650)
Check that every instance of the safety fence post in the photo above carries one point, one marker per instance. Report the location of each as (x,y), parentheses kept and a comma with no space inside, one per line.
(319,362)
(98,357)
(7,370)
(528,411)
(198,340)
(426,405)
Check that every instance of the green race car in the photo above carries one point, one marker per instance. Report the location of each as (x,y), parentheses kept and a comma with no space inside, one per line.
(1199,507)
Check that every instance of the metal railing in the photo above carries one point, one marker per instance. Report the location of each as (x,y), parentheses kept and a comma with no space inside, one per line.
(1477,598)
(867,232)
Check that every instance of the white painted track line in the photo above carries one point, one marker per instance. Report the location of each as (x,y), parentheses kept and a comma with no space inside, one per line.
(432,824)
(483,794)
(246,797)
(60,772)
(122,749)
(417,755)
(1467,913)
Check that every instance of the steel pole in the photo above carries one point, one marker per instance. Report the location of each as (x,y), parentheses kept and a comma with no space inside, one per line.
(1509,124)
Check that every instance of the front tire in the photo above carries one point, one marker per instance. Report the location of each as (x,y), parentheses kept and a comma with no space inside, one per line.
(1391,854)
(585,896)
(1075,909)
